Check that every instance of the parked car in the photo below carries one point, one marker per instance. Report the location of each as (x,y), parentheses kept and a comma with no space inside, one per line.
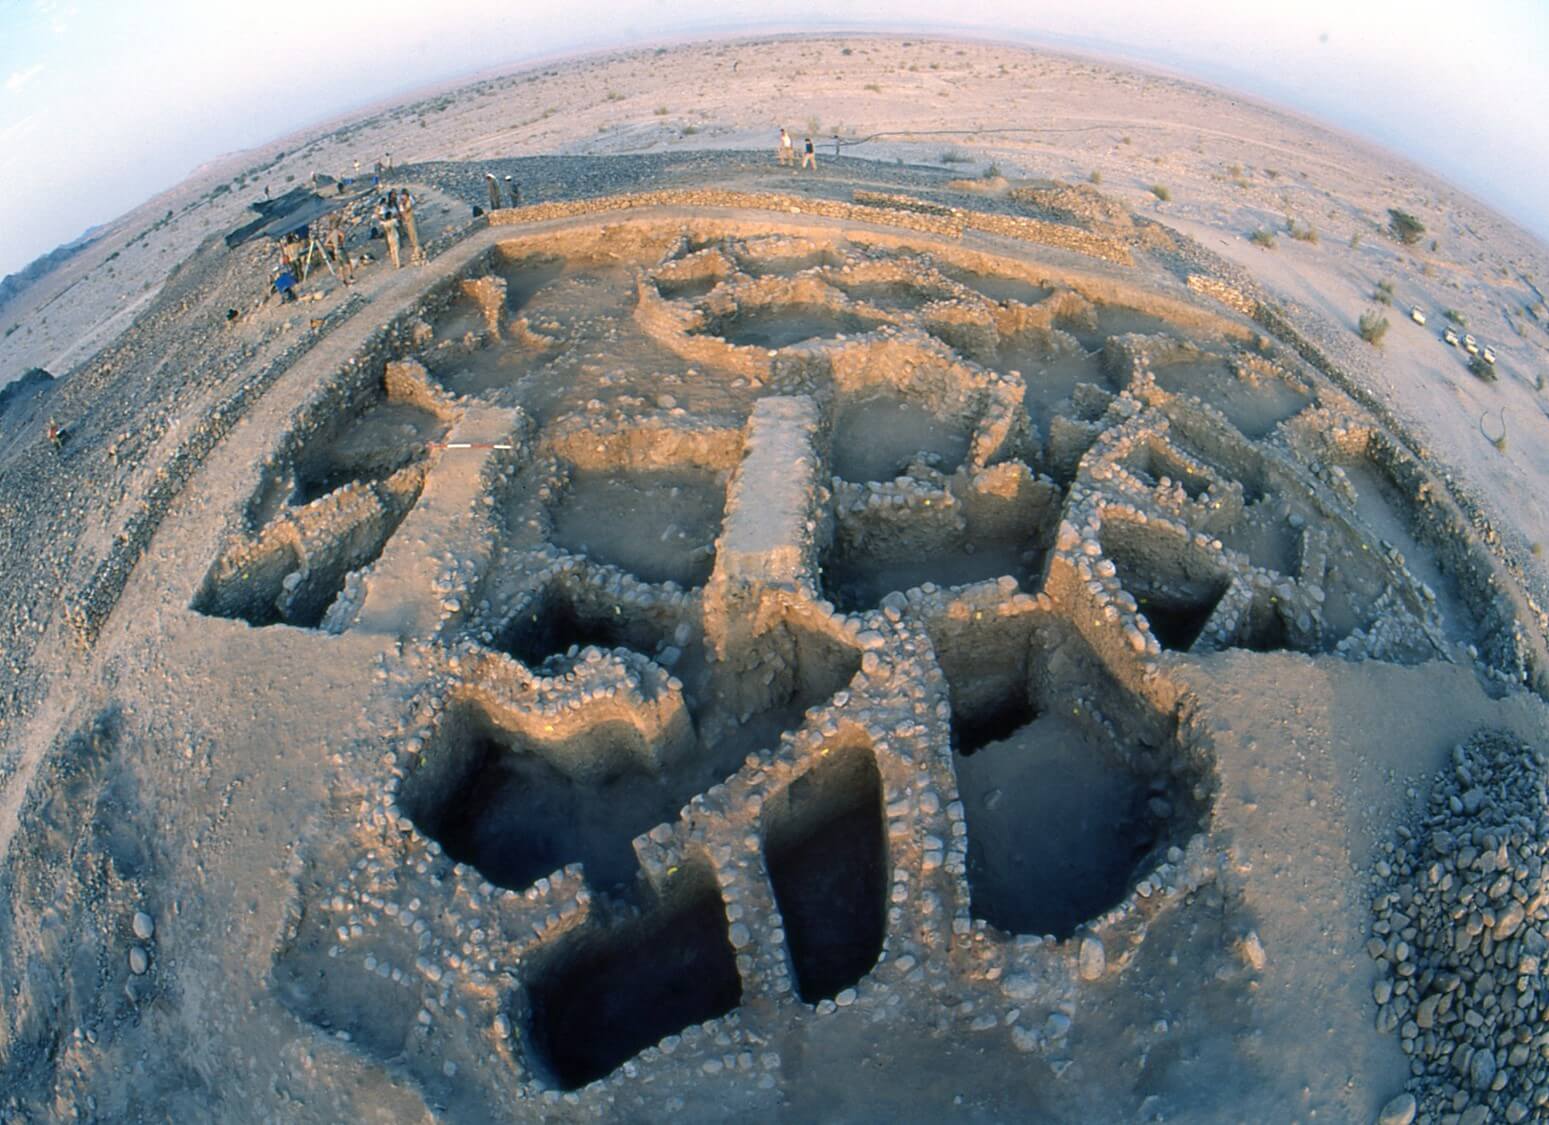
(1470,345)
(1488,355)
(1416,315)
(1450,336)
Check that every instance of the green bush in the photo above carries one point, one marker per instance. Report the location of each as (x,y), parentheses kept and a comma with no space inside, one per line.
(1263,237)
(1405,227)
(1384,292)
(1373,327)
(1456,317)
(1161,192)
(1096,177)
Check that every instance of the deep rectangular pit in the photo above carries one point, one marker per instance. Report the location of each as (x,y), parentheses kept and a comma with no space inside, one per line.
(1175,586)
(984,658)
(825,846)
(606,996)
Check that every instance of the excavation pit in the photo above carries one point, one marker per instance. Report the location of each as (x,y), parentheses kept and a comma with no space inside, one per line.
(783,326)
(877,437)
(1115,320)
(368,446)
(525,275)
(1254,408)
(687,288)
(603,997)
(1153,462)
(1387,513)
(1050,374)
(1058,826)
(1175,586)
(1265,536)
(492,800)
(1000,288)
(985,659)
(659,526)
(825,847)
(553,622)
(858,580)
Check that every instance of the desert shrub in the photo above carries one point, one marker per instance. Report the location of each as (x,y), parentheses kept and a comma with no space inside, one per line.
(991,173)
(1373,327)
(1480,369)
(1161,192)
(690,130)
(1263,237)
(1096,177)
(873,87)
(953,156)
(1303,232)
(660,111)
(1384,293)
(615,96)
(1355,240)
(1456,317)
(1405,227)
(846,51)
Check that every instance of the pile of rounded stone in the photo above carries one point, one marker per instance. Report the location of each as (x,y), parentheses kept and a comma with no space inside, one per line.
(1461,930)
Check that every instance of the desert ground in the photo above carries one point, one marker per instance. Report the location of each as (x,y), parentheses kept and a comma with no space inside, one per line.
(972,631)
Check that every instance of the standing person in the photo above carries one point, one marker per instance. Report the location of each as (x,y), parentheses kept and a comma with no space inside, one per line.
(410,228)
(494,190)
(787,150)
(514,192)
(387,219)
(808,157)
(357,170)
(333,246)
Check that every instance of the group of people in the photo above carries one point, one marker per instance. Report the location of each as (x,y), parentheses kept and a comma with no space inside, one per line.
(787,151)
(513,190)
(395,217)
(393,213)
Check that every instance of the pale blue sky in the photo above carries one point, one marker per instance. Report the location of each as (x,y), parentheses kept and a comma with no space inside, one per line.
(102,104)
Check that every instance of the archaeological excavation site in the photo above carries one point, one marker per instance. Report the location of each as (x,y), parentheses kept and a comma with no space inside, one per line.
(700,650)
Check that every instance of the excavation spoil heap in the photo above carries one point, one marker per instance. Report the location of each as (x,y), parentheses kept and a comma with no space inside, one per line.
(1462,933)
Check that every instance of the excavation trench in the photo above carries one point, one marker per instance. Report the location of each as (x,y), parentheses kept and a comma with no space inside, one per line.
(825,848)
(1057,826)
(604,996)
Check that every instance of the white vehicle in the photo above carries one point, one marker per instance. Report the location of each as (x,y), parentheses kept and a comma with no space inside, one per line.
(1416,315)
(1488,355)
(1470,345)
(1450,337)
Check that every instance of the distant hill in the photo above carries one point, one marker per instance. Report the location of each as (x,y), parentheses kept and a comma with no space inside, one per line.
(14,284)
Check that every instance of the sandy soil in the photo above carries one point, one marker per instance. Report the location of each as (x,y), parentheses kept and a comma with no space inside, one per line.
(253,750)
